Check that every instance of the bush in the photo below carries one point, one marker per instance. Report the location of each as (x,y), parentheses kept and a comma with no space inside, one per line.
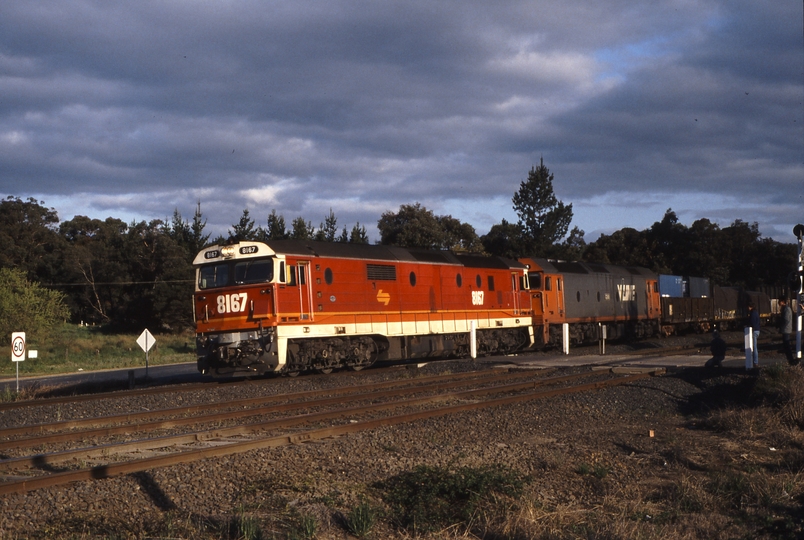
(27,307)
(429,498)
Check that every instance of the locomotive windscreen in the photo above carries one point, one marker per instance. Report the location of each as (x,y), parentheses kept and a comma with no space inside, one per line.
(244,272)
(214,275)
(254,271)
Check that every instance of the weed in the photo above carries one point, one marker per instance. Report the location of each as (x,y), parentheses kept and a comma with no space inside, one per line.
(361,520)
(688,496)
(731,487)
(428,498)
(8,395)
(249,528)
(600,472)
(308,526)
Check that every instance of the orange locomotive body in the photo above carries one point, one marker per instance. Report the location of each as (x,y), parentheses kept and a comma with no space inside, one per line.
(292,306)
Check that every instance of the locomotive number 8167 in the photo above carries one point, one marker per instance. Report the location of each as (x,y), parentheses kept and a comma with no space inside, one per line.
(292,306)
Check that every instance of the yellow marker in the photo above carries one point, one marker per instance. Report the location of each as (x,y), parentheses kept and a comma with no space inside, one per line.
(383,297)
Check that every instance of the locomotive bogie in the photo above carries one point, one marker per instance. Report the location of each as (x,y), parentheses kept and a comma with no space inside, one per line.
(226,352)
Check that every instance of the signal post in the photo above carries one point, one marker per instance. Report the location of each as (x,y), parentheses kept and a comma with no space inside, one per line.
(798,286)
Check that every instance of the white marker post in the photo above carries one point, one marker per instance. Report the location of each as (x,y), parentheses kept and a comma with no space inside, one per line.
(18,352)
(749,348)
(473,339)
(602,334)
(146,341)
(565,337)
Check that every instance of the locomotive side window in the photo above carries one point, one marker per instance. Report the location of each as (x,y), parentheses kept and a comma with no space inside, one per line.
(458,280)
(254,272)
(558,282)
(547,284)
(535,281)
(210,277)
(328,276)
(291,276)
(478,281)
(578,296)
(491,283)
(413,279)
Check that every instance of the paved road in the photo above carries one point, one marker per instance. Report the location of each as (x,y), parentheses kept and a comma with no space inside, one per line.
(113,378)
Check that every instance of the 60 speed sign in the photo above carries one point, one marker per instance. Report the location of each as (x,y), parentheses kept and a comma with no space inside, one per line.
(17,346)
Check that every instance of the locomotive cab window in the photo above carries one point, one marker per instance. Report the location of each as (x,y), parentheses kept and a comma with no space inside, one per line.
(254,272)
(547,284)
(216,275)
(535,281)
(491,282)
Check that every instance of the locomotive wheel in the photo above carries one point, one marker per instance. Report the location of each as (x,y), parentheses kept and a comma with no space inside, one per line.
(356,368)
(325,371)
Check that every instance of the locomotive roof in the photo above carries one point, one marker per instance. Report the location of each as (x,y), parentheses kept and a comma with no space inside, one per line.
(312,248)
(578,267)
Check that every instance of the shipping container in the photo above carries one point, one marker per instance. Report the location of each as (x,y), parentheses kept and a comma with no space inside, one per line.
(671,286)
(698,287)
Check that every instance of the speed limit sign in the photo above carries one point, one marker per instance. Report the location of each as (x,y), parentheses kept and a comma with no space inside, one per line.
(17,346)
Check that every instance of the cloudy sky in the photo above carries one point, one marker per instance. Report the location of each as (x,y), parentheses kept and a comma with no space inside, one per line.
(134,109)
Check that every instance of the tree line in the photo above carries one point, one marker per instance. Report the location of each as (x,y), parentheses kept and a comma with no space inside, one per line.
(128,276)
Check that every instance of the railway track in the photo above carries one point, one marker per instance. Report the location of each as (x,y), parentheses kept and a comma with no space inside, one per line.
(343,410)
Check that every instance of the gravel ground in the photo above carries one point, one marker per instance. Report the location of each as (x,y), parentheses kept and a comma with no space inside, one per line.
(635,433)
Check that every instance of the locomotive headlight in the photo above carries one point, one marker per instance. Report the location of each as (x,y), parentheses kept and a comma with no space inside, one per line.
(227,252)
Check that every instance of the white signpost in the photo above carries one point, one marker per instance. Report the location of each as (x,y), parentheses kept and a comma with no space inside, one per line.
(146,341)
(18,352)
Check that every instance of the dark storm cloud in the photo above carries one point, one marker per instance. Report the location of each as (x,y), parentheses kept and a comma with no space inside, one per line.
(360,107)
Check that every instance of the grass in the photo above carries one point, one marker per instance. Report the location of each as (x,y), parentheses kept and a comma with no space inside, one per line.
(361,520)
(431,498)
(72,348)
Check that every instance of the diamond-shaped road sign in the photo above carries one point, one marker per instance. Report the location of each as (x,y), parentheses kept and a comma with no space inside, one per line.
(146,340)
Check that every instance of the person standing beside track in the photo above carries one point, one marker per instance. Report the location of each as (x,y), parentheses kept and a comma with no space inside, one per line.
(753,323)
(718,349)
(786,329)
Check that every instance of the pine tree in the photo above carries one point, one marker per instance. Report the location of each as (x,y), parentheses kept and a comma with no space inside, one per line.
(543,219)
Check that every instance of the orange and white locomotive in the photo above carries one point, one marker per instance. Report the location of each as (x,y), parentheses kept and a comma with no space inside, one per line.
(292,306)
